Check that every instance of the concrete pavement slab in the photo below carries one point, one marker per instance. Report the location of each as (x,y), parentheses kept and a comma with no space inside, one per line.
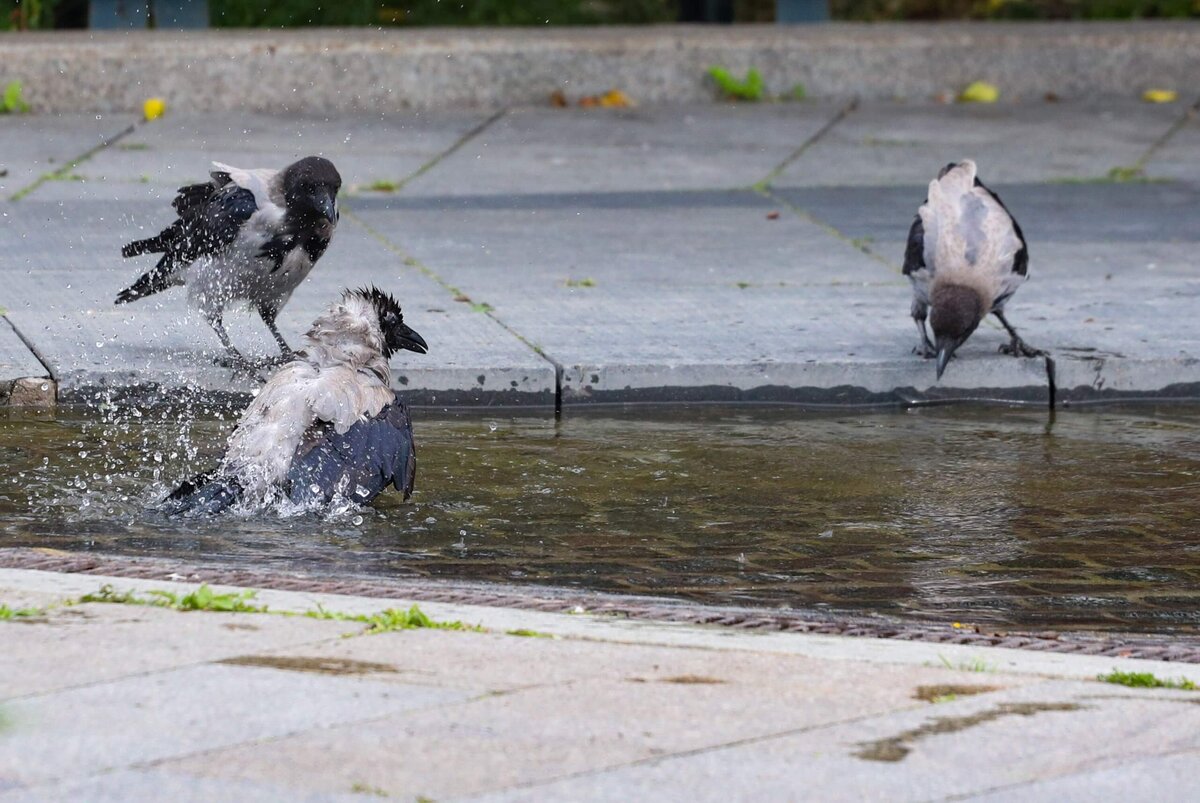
(691,295)
(71,733)
(16,359)
(61,290)
(35,145)
(77,646)
(179,148)
(609,150)
(582,725)
(952,749)
(1179,156)
(153,784)
(1166,779)
(883,144)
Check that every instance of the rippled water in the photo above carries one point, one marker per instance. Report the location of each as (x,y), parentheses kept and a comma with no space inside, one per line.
(979,515)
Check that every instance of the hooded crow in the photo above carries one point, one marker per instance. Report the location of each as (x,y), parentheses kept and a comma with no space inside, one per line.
(326,425)
(249,235)
(966,256)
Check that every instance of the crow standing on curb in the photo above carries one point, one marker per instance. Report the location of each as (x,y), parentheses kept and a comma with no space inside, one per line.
(325,426)
(250,235)
(966,256)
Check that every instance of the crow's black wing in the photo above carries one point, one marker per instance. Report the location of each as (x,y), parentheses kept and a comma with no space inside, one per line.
(914,251)
(210,217)
(360,463)
(1021,258)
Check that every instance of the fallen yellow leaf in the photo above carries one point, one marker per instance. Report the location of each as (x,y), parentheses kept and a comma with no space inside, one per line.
(615,98)
(153,108)
(1160,96)
(979,92)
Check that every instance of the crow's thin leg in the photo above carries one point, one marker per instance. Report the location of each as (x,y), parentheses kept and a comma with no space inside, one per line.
(269,314)
(232,358)
(1018,347)
(924,345)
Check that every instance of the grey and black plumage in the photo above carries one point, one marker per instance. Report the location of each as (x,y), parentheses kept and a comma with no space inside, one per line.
(246,235)
(966,256)
(326,425)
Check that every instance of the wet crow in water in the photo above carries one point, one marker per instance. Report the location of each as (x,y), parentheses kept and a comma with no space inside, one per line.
(326,425)
(249,235)
(966,256)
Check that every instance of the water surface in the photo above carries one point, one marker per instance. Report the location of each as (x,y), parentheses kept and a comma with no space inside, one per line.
(996,516)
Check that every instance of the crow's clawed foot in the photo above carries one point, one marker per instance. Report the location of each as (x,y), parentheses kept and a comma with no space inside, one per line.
(925,351)
(241,367)
(1019,348)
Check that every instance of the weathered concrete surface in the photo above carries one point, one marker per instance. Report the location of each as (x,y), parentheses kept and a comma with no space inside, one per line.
(322,71)
(883,144)
(153,161)
(651,149)
(37,145)
(620,255)
(60,292)
(268,707)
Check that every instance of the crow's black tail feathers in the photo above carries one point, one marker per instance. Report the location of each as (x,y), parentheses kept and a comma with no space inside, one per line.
(202,495)
(151,245)
(147,284)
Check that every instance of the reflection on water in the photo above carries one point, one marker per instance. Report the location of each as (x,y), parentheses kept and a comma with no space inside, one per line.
(985,516)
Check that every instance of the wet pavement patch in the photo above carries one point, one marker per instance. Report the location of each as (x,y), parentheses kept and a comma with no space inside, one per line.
(947,691)
(895,748)
(316,665)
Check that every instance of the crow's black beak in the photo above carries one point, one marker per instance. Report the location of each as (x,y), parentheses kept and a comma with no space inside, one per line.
(408,340)
(943,357)
(324,203)
(945,347)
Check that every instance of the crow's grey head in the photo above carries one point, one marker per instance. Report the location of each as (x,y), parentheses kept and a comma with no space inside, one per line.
(310,188)
(956,311)
(396,335)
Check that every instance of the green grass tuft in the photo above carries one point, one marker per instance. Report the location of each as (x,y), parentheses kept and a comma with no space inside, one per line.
(12,102)
(750,88)
(1145,680)
(383,185)
(527,633)
(8,614)
(581,282)
(202,599)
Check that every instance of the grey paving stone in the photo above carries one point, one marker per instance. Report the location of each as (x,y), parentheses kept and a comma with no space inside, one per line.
(179,148)
(63,268)
(975,747)
(149,718)
(150,784)
(607,150)
(702,291)
(1179,158)
(899,143)
(83,645)
(1165,779)
(532,735)
(16,360)
(35,144)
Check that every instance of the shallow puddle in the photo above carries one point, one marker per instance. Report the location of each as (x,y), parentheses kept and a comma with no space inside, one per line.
(961,514)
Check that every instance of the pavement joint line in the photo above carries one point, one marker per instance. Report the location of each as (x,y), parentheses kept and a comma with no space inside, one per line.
(1032,783)
(1188,114)
(813,139)
(32,348)
(74,163)
(410,261)
(804,214)
(735,743)
(475,131)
